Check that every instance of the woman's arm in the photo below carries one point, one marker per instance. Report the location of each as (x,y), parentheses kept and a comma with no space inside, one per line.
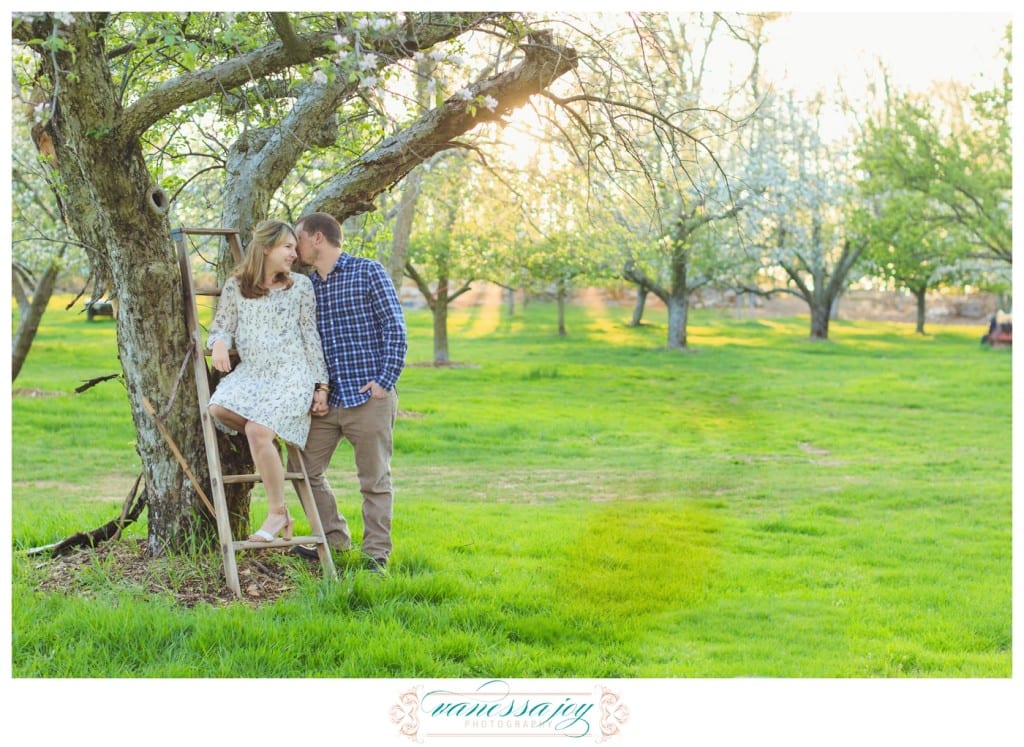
(225,323)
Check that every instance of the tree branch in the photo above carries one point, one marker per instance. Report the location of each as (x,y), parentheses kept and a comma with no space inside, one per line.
(421,283)
(353,191)
(422,30)
(131,509)
(467,286)
(294,45)
(262,159)
(166,98)
(634,274)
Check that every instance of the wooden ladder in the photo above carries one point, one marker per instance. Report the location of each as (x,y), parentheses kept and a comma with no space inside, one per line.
(299,480)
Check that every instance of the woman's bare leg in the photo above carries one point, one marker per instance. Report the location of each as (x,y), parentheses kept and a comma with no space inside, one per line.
(267,458)
(263,445)
(231,419)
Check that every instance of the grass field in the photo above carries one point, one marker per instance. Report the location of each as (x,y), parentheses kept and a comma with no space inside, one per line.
(589,506)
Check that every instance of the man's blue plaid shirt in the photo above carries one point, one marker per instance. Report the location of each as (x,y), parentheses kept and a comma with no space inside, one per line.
(362,328)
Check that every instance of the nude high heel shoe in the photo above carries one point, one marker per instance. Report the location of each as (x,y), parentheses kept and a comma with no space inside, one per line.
(279,521)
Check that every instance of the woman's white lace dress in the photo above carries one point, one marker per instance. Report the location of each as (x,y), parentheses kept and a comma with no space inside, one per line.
(281,357)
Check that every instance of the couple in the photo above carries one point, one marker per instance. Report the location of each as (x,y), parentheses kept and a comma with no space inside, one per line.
(341,367)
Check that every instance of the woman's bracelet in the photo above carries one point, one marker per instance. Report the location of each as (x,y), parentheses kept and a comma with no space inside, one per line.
(321,388)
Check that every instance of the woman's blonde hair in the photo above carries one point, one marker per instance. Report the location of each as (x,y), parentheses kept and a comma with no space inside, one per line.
(249,271)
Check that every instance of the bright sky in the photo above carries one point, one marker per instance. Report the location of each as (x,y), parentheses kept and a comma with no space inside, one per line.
(812,49)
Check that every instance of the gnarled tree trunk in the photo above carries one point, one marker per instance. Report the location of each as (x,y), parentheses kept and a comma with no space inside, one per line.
(116,211)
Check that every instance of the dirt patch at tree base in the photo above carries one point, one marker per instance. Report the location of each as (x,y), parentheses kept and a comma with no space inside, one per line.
(264,575)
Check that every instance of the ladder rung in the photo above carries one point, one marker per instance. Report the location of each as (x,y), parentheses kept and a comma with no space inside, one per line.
(279,542)
(206,231)
(231,479)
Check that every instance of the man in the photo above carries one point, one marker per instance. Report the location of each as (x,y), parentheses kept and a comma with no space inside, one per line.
(362,329)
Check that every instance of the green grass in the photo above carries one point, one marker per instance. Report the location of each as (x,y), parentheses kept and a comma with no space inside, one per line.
(589,506)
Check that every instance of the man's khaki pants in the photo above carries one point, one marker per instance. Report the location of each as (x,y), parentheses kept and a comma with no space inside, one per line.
(369,428)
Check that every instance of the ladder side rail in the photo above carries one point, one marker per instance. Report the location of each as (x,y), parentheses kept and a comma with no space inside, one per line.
(301,484)
(235,246)
(209,430)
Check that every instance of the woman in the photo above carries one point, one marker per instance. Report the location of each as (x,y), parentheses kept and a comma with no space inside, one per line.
(268,313)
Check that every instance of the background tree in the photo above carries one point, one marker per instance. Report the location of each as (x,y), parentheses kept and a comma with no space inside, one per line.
(800,225)
(671,206)
(938,170)
(908,250)
(411,185)
(443,250)
(42,248)
(558,244)
(960,160)
(693,258)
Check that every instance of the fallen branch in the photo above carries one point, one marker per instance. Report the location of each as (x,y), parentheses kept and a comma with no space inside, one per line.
(132,508)
(90,383)
(177,455)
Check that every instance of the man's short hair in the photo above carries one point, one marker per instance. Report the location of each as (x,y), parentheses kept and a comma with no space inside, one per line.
(324,223)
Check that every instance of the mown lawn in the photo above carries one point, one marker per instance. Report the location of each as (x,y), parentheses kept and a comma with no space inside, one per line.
(580,507)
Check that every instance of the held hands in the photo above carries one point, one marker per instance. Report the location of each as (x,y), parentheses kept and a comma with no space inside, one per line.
(319,406)
(221,359)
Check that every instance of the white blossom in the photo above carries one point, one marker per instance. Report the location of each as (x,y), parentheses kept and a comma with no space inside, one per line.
(464,93)
(369,61)
(368,82)
(320,77)
(381,23)
(341,40)
(437,55)
(490,102)
(362,23)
